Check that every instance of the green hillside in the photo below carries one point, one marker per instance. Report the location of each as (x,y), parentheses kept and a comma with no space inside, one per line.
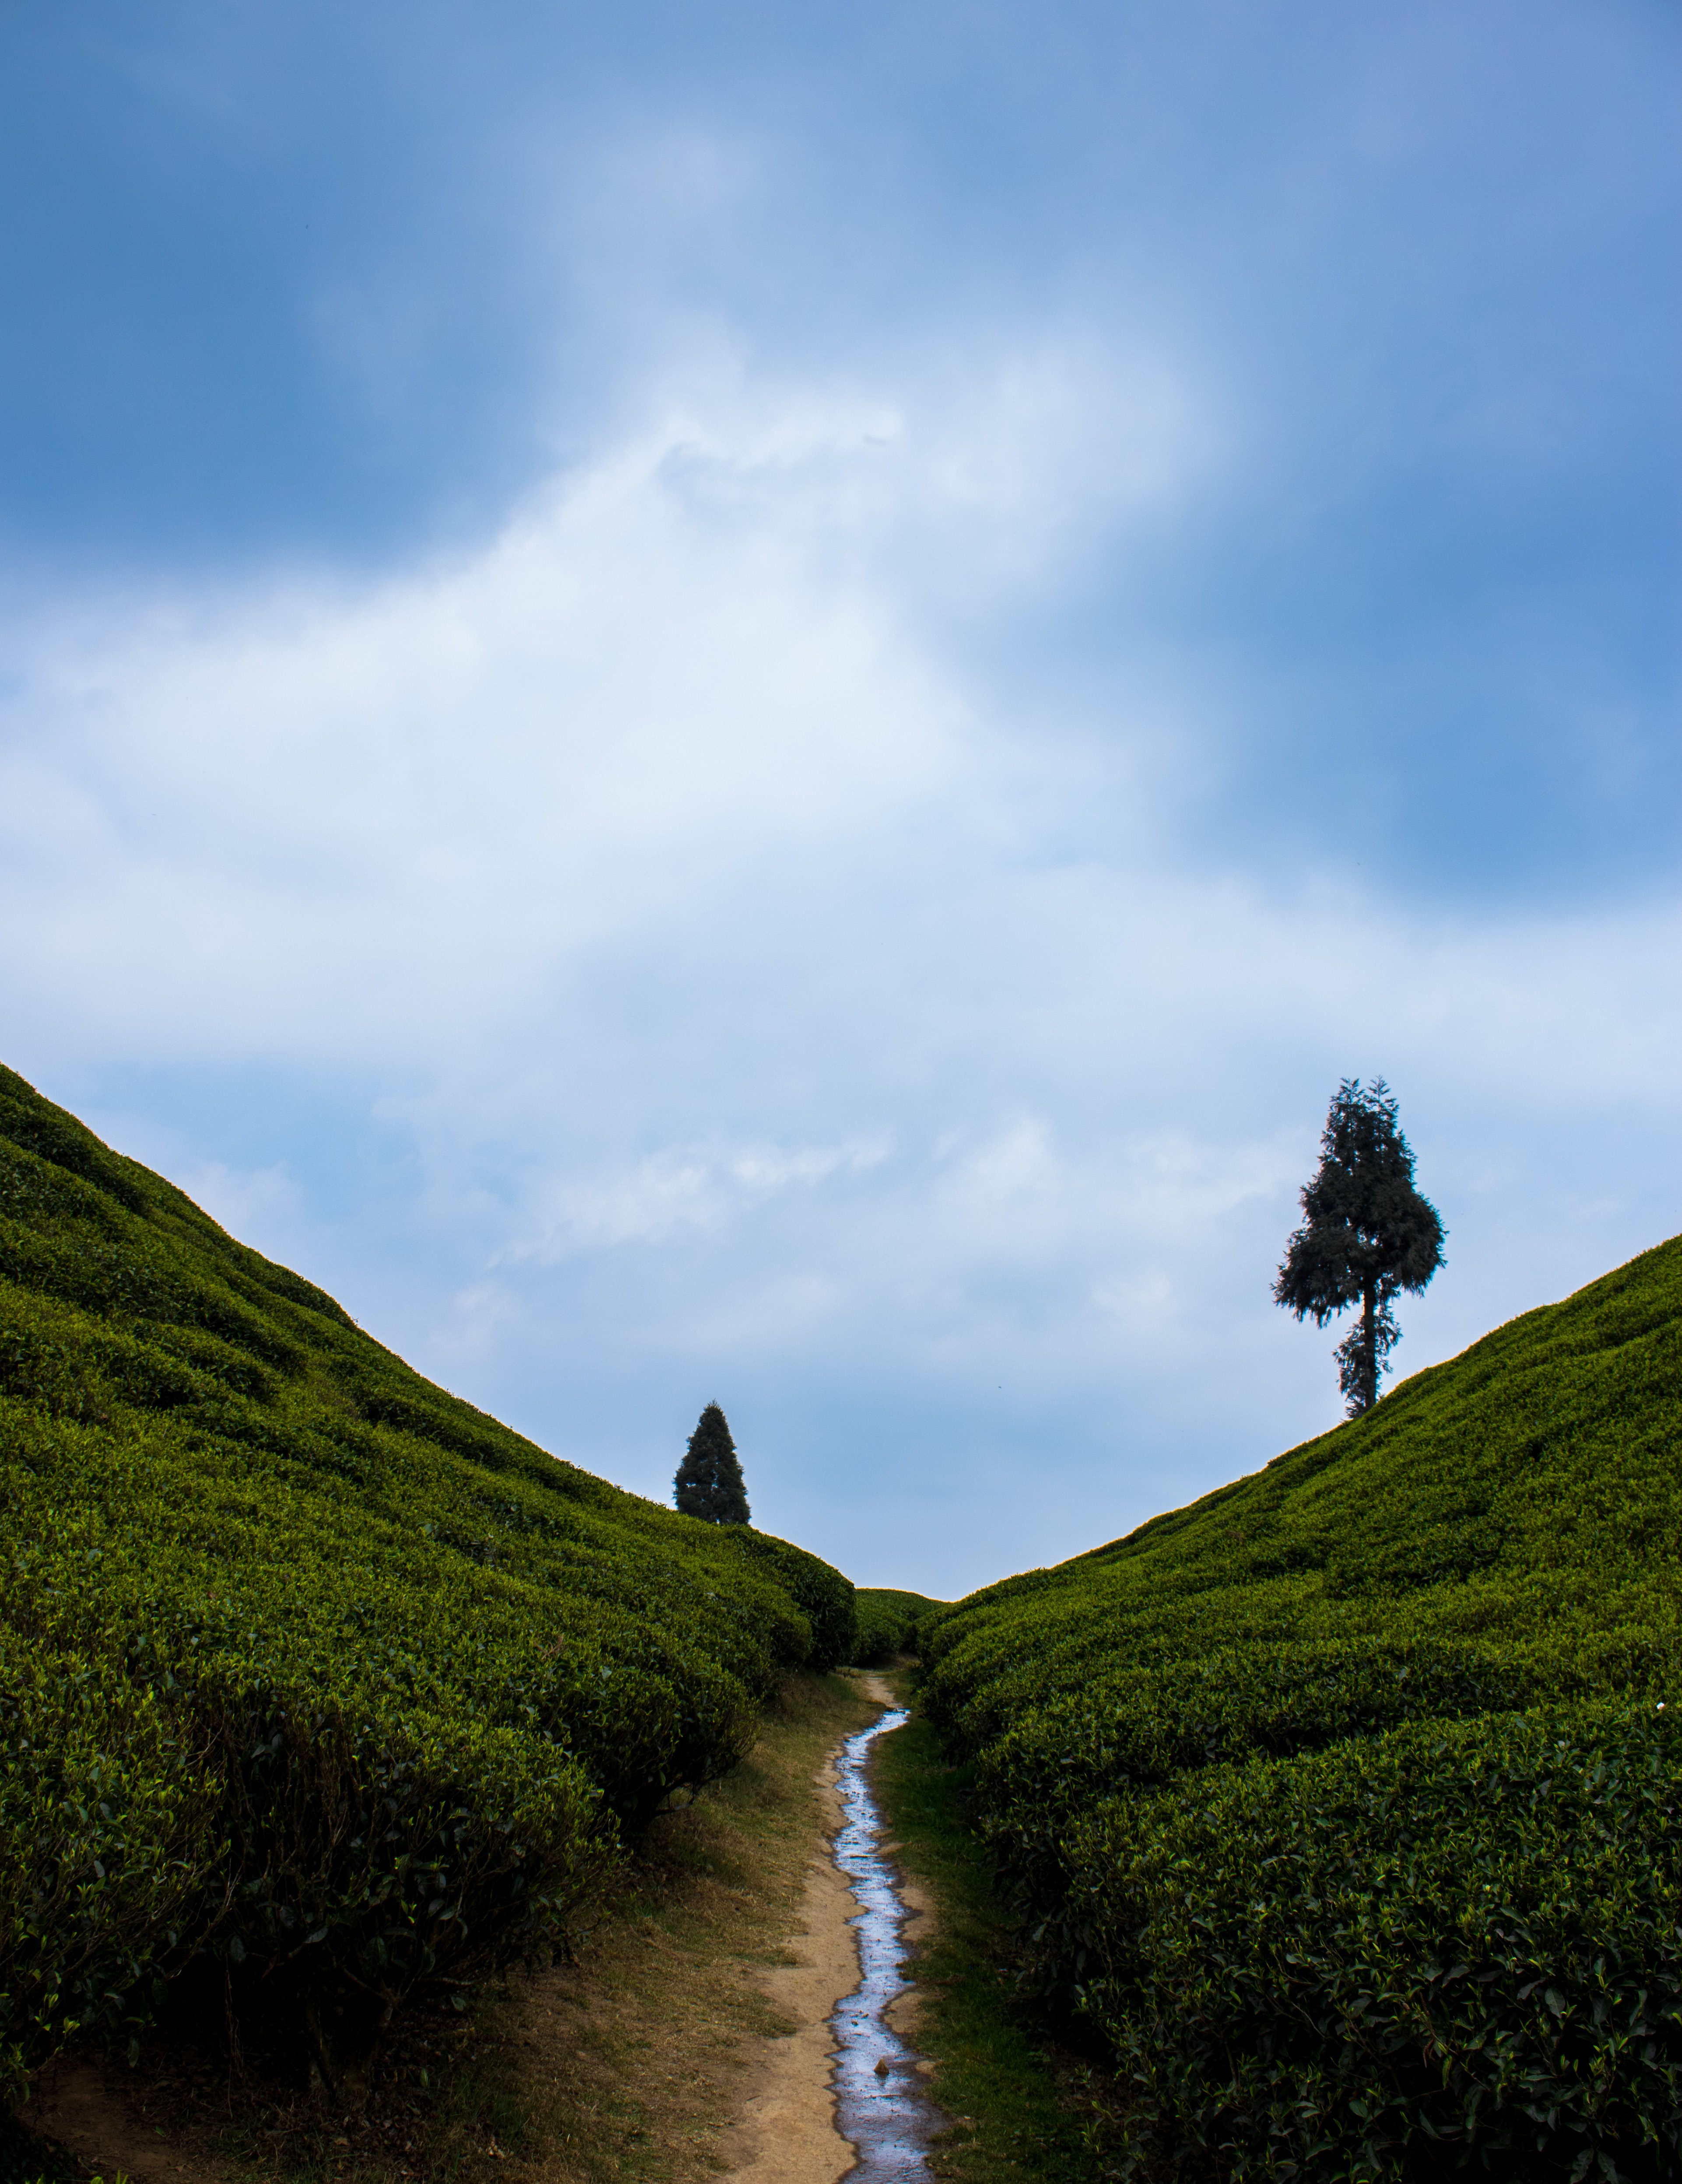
(313,1678)
(1342,1804)
(887,1621)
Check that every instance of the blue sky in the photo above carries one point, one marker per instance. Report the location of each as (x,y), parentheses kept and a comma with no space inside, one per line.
(752,703)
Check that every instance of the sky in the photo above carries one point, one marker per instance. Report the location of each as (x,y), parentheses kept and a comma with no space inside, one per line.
(752,704)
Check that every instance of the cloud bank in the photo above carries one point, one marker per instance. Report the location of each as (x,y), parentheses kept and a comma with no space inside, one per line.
(756,709)
(758,1012)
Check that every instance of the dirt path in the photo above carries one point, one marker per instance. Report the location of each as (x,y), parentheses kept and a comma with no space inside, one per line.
(84,2106)
(787,2133)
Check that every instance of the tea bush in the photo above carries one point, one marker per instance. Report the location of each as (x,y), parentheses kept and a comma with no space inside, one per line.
(308,1669)
(1312,1795)
(107,1843)
(888,1622)
(1455,1942)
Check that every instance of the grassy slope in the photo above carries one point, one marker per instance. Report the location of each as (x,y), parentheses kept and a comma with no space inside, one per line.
(1341,1799)
(308,1669)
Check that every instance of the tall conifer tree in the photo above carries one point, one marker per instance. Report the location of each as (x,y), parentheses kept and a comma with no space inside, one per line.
(709,1481)
(1368,1235)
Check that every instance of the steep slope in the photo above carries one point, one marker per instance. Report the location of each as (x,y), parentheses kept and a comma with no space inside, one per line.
(1342,1803)
(310,1672)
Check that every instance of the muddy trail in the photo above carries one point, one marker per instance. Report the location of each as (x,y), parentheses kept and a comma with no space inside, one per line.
(750,2017)
(845,2096)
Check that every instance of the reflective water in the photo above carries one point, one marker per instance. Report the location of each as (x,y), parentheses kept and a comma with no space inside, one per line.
(882,2108)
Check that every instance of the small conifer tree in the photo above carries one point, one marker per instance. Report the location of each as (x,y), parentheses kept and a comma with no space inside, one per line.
(1368,1235)
(709,1481)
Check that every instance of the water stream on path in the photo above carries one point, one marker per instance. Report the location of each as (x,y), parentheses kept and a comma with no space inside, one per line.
(882,2108)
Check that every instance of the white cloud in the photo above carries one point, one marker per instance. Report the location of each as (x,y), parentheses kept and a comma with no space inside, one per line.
(673,1191)
(363,817)
(705,924)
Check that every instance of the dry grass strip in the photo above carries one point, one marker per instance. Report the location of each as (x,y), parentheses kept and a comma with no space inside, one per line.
(635,2062)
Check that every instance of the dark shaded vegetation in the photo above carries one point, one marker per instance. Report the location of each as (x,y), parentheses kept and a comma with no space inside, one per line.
(27,2158)
(709,1484)
(888,1623)
(317,1686)
(1343,1804)
(1367,1235)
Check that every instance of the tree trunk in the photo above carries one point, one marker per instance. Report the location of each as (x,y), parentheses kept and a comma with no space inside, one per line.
(1369,1356)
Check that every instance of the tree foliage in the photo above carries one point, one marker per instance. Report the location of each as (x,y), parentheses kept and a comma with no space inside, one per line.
(1368,1235)
(709,1481)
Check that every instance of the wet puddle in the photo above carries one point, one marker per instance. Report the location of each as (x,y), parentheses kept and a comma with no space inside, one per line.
(881,2106)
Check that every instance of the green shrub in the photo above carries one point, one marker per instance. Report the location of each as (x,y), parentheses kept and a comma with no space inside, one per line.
(1457,1943)
(373,1688)
(824,1595)
(1370,1634)
(106,1844)
(886,1625)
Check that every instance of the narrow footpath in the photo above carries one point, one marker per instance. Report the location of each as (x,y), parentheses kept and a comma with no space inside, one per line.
(842,2096)
(743,2013)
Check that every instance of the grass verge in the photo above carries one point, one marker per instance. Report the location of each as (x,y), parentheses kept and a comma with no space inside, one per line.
(1015,2095)
(632,2062)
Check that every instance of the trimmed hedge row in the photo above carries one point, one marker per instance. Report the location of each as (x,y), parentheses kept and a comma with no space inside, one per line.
(106,1843)
(307,1669)
(1450,1948)
(887,1624)
(1432,1648)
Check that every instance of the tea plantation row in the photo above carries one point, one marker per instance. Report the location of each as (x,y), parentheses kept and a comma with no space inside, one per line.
(309,1674)
(887,1620)
(1343,1804)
